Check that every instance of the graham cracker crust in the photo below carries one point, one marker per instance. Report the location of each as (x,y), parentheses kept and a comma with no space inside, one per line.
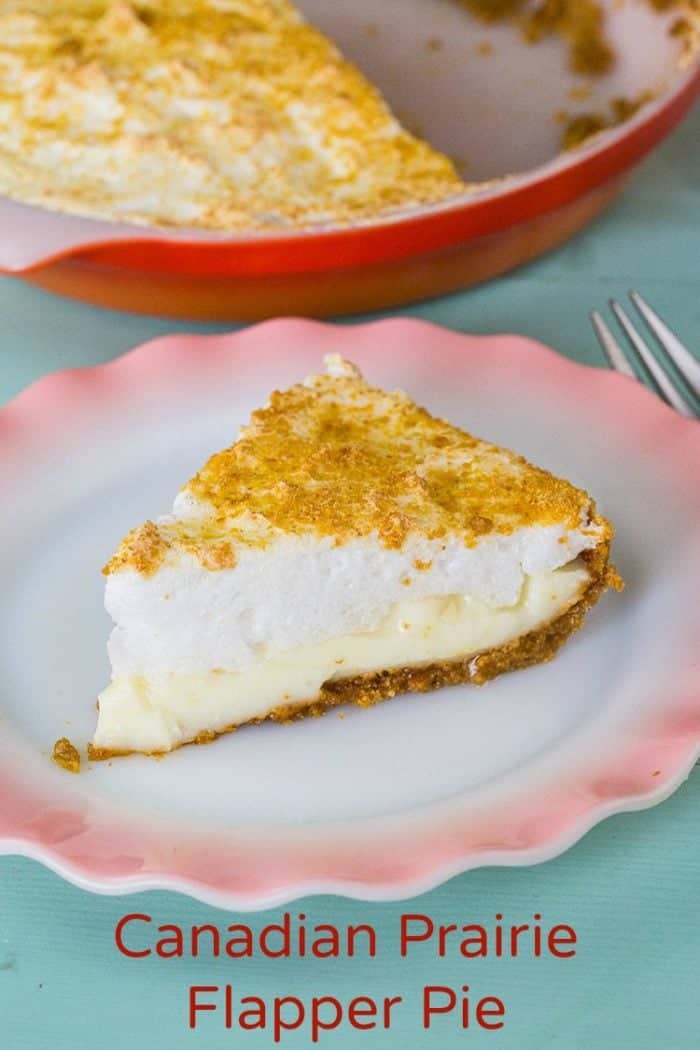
(538,646)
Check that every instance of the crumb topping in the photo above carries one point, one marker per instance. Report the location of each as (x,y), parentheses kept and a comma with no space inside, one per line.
(144,549)
(580,22)
(337,459)
(582,127)
(66,755)
(221,114)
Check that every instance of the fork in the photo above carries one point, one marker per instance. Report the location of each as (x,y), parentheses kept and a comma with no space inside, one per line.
(677,359)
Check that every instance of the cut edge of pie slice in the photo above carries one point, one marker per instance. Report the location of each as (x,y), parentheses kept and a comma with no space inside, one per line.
(346,548)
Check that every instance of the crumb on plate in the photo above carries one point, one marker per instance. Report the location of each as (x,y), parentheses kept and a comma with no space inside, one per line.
(66,755)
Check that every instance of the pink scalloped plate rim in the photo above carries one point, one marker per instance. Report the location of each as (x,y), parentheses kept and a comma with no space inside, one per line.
(97,845)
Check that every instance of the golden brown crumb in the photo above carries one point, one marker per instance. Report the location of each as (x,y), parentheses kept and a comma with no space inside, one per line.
(585,125)
(493,10)
(580,22)
(216,556)
(143,549)
(687,30)
(581,128)
(580,92)
(205,737)
(66,755)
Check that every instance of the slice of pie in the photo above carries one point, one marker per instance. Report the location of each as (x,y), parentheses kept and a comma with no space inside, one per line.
(228,115)
(346,548)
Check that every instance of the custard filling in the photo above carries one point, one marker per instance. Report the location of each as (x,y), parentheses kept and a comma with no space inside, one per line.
(158,713)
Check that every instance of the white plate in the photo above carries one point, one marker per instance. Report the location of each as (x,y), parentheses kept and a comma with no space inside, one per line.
(383,802)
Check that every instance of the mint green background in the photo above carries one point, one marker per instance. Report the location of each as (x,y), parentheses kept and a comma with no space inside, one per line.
(631,888)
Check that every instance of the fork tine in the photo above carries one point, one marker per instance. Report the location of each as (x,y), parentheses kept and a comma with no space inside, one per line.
(682,358)
(674,398)
(611,348)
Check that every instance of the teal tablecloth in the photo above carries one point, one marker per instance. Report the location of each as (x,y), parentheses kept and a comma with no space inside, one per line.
(631,888)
